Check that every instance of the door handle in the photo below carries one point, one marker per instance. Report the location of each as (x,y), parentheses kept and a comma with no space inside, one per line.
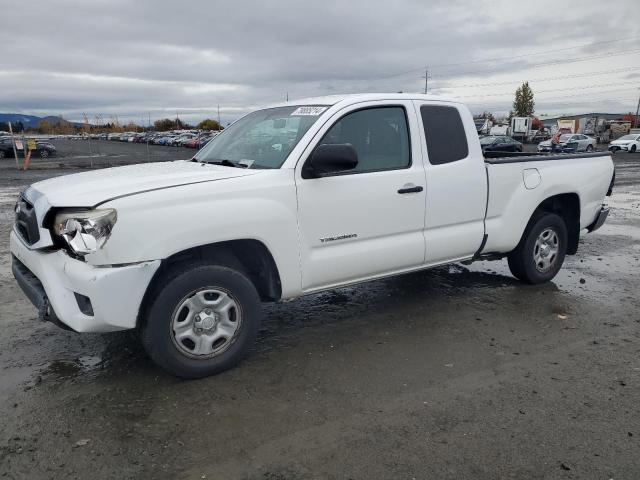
(409,189)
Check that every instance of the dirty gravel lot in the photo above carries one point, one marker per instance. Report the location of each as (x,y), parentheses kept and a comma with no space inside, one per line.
(458,372)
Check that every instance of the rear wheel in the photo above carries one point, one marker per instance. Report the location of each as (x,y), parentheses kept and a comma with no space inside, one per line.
(541,251)
(589,148)
(44,153)
(202,320)
(1,154)
(633,149)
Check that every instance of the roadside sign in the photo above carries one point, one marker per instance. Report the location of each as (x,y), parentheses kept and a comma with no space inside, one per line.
(19,145)
(31,144)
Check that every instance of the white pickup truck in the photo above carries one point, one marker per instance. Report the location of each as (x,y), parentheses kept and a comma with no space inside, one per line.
(291,200)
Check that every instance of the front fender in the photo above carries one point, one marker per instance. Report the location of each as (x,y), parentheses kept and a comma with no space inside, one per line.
(155,225)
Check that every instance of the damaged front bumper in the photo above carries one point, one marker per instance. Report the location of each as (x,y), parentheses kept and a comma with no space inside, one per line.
(83,297)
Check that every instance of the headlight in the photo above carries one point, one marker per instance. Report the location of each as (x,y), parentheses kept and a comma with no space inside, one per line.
(85,231)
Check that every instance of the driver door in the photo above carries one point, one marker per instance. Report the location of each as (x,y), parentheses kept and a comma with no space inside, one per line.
(369,221)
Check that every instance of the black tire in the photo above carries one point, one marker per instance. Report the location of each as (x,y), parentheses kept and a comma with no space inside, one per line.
(1,154)
(44,153)
(522,262)
(633,149)
(156,332)
(589,148)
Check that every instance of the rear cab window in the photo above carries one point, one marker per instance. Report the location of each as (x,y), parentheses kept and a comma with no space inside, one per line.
(445,134)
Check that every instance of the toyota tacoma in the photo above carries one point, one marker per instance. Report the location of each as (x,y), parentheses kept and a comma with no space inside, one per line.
(287,201)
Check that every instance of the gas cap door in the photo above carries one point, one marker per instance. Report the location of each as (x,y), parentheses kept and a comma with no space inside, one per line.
(531,178)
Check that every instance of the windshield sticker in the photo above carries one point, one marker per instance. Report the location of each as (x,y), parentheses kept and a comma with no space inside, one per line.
(309,110)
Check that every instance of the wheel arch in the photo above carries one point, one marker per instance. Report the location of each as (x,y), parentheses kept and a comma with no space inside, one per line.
(566,206)
(249,256)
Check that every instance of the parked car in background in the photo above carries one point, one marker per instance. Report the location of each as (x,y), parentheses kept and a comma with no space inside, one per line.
(499,143)
(538,136)
(193,143)
(628,143)
(181,139)
(501,129)
(200,141)
(569,142)
(166,140)
(6,147)
(45,149)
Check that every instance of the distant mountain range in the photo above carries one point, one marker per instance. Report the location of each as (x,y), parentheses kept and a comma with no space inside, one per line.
(31,121)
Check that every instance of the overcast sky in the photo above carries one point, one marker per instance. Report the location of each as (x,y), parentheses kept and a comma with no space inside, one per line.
(134,58)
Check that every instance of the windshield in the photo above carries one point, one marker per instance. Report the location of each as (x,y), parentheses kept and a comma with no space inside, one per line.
(262,139)
(487,140)
(628,137)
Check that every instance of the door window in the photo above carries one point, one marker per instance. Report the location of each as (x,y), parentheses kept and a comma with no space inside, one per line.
(380,135)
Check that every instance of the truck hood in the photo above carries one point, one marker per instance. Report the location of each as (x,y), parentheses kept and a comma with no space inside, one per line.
(88,189)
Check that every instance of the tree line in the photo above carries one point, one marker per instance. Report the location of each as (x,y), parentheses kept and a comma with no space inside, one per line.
(63,127)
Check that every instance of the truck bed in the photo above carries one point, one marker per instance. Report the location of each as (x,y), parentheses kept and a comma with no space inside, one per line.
(496,158)
(519,183)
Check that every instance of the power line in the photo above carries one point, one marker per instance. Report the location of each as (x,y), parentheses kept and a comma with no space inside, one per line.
(633,82)
(554,62)
(547,79)
(549,99)
(414,70)
(568,105)
(524,55)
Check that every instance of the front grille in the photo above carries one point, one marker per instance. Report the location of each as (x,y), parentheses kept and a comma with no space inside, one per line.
(26,221)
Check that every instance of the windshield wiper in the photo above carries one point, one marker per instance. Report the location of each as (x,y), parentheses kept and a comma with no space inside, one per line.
(225,163)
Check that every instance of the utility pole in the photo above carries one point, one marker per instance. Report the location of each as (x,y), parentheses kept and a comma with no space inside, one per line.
(87,130)
(13,143)
(637,111)
(426,80)
(148,130)
(219,124)
(287,97)
(99,130)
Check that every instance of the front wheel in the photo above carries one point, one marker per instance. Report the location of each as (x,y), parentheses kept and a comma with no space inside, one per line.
(202,320)
(541,251)
(633,149)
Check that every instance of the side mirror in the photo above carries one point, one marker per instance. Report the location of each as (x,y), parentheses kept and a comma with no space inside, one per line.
(330,159)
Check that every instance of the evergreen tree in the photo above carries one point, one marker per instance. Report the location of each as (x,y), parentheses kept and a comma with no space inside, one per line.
(523,105)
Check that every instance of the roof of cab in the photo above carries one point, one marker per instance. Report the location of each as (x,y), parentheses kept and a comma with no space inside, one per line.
(363,97)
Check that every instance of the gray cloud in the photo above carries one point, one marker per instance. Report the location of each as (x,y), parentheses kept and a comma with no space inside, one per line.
(131,58)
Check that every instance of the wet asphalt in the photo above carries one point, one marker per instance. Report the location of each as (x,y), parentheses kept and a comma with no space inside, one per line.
(459,372)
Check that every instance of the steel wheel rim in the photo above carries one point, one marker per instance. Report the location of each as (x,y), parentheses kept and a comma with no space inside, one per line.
(44,154)
(205,323)
(545,250)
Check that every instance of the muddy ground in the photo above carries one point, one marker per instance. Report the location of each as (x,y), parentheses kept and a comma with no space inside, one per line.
(454,373)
